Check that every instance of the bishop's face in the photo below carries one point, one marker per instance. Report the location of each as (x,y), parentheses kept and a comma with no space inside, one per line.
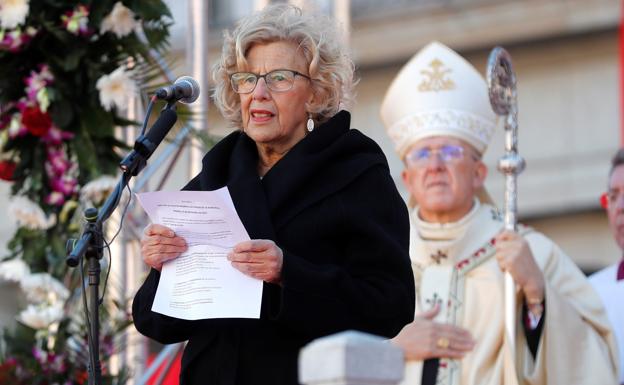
(442,175)
(615,208)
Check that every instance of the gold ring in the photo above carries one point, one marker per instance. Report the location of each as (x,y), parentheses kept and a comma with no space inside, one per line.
(443,342)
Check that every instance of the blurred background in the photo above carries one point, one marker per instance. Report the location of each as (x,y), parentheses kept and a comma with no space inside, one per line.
(566,55)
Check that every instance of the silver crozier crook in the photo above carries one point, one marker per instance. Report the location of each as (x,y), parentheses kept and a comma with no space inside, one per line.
(501,81)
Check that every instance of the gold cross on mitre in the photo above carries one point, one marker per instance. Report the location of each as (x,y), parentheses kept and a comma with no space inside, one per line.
(434,79)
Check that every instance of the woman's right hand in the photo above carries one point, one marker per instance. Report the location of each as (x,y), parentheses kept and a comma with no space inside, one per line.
(423,338)
(159,244)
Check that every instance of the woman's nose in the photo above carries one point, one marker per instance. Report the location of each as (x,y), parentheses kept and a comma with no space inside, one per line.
(261,91)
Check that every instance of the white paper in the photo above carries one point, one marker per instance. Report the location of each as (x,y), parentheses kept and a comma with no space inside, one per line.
(201,283)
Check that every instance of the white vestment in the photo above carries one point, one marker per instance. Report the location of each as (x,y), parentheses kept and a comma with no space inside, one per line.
(611,291)
(454,265)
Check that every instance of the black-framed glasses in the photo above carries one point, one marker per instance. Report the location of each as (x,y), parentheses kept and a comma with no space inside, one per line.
(447,154)
(277,80)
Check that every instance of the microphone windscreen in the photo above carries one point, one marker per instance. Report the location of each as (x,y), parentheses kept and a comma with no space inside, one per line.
(191,89)
(161,127)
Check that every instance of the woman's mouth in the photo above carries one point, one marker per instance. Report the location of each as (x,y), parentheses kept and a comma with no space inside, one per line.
(261,115)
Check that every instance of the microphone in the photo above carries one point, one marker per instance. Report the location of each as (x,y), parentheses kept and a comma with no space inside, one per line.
(159,130)
(146,144)
(185,89)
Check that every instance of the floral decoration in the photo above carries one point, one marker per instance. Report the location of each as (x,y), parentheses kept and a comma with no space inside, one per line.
(67,72)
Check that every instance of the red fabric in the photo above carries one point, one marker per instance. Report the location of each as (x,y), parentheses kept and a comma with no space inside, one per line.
(172,378)
(620,273)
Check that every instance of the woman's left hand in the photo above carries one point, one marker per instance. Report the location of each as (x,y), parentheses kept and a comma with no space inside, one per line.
(258,258)
(515,256)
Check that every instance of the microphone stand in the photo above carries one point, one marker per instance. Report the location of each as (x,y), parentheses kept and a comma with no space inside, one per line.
(91,242)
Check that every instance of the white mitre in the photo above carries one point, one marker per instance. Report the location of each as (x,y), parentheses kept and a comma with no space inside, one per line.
(438,93)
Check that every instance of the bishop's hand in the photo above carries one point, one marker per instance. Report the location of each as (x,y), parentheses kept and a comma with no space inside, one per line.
(424,338)
(514,256)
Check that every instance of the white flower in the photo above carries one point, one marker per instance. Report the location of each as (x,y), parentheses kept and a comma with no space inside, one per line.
(116,89)
(43,98)
(4,137)
(41,317)
(14,270)
(13,13)
(42,287)
(121,21)
(98,189)
(15,125)
(29,214)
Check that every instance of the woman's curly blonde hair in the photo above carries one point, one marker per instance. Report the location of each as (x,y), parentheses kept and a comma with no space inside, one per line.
(321,42)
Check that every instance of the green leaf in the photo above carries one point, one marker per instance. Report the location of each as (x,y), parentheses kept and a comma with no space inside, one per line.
(156,35)
(150,10)
(73,58)
(119,121)
(84,149)
(97,122)
(62,113)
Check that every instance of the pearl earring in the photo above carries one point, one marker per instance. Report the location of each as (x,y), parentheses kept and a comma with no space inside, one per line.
(310,124)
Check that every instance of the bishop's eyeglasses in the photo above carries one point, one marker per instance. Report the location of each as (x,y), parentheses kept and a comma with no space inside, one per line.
(277,80)
(447,154)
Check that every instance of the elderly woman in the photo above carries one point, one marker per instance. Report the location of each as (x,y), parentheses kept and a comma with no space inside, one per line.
(329,231)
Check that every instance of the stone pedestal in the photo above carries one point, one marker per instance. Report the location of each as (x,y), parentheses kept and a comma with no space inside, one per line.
(350,358)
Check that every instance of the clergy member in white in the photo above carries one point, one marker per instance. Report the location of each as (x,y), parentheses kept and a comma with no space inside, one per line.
(438,114)
(609,282)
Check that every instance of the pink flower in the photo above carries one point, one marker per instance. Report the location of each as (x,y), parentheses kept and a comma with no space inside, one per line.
(61,173)
(55,198)
(56,136)
(65,184)
(77,21)
(38,80)
(22,104)
(40,355)
(56,166)
(57,363)
(15,40)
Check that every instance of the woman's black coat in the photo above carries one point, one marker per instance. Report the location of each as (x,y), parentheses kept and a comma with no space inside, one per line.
(332,207)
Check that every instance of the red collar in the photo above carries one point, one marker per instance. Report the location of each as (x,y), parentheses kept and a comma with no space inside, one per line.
(620,272)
